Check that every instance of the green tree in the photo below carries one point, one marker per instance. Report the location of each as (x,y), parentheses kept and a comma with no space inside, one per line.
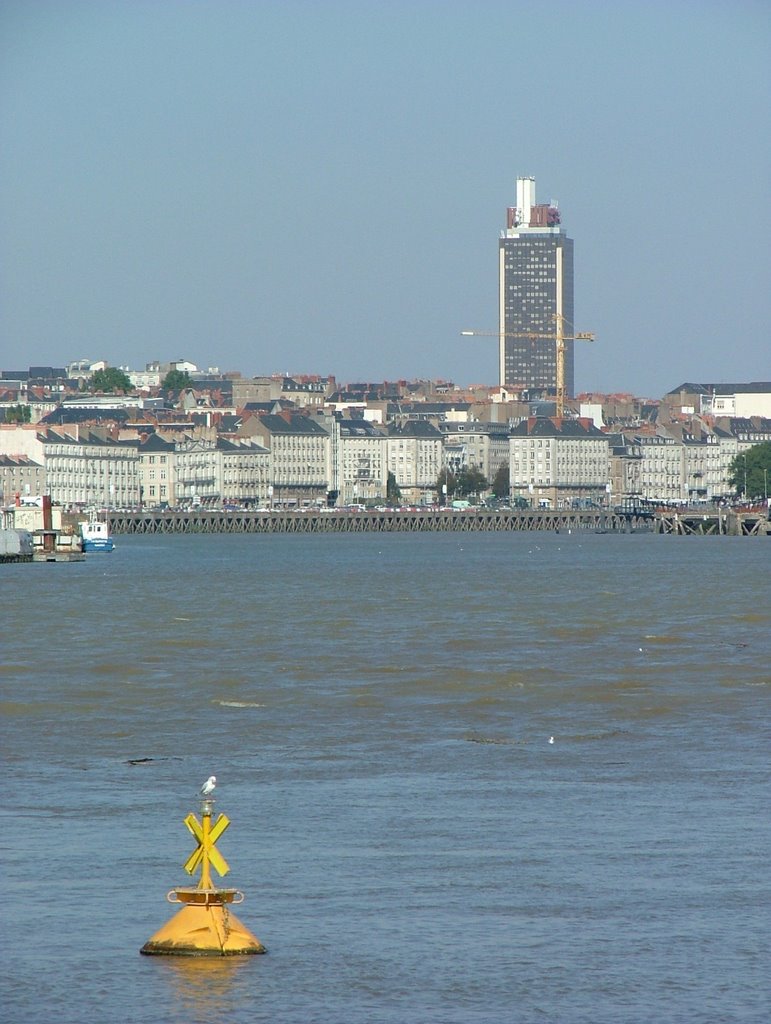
(749,471)
(470,480)
(176,380)
(393,491)
(500,484)
(110,381)
(18,414)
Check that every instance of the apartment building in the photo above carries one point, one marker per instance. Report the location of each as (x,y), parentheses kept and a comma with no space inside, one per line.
(90,468)
(661,468)
(705,467)
(474,445)
(298,447)
(157,471)
(245,472)
(415,458)
(554,462)
(19,474)
(363,462)
(198,472)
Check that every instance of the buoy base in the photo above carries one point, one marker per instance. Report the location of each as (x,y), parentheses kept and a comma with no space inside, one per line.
(203,929)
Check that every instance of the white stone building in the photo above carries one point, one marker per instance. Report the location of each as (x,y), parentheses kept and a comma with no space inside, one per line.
(145,379)
(363,462)
(415,458)
(245,473)
(158,471)
(705,468)
(737,400)
(553,463)
(299,457)
(198,469)
(661,469)
(87,468)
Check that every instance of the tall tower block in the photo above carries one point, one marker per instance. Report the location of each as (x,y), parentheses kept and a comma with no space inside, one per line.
(535,275)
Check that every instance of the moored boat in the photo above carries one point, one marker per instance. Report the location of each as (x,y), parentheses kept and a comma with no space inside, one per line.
(96,535)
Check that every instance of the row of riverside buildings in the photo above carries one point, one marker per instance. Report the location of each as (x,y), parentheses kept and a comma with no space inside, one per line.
(326,445)
(297,442)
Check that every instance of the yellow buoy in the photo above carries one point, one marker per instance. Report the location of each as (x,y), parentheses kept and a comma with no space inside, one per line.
(205,926)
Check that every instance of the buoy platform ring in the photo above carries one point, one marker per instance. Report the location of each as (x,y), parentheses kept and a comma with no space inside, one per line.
(204,897)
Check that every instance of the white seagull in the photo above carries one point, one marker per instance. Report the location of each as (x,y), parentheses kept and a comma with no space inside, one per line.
(551,739)
(209,786)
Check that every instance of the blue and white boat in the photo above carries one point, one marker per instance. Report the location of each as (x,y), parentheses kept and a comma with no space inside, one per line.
(96,535)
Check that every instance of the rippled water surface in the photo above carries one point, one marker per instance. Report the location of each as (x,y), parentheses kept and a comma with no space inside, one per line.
(377,710)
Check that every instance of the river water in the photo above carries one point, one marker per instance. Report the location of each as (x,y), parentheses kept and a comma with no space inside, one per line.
(377,709)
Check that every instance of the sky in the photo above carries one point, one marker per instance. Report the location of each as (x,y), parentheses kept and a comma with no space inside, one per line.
(318,186)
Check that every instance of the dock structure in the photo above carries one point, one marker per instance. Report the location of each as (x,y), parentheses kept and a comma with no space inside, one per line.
(718,522)
(412,521)
(34,532)
(727,522)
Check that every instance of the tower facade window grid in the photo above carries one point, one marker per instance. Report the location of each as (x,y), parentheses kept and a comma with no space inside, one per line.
(535,287)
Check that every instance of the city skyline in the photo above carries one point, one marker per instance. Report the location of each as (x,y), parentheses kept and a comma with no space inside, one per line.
(285,187)
(308,389)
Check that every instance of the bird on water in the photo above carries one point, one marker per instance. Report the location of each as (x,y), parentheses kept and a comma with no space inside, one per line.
(209,786)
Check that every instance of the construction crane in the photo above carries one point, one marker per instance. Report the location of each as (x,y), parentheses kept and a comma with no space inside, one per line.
(559,337)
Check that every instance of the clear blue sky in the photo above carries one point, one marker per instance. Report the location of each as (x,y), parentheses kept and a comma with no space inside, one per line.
(318,187)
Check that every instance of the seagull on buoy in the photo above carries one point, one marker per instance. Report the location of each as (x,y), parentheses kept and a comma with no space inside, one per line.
(209,786)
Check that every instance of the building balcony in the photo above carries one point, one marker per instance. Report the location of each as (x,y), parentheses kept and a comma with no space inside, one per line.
(197,481)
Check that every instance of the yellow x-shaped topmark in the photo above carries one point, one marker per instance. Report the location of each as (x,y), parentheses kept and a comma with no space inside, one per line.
(216,859)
